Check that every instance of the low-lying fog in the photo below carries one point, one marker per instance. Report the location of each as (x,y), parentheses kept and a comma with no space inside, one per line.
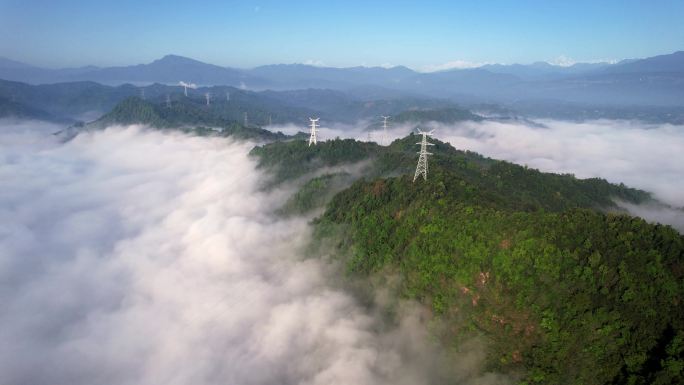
(641,155)
(130,256)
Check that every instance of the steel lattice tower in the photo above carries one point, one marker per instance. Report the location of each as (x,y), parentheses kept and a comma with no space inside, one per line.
(314,130)
(384,129)
(208,97)
(422,168)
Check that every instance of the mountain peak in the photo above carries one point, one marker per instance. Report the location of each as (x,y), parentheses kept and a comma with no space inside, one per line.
(176,59)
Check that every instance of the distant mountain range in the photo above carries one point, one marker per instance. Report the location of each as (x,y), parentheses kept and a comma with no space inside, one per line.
(655,81)
(87,101)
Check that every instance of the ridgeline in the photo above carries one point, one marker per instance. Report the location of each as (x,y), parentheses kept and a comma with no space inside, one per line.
(181,114)
(562,286)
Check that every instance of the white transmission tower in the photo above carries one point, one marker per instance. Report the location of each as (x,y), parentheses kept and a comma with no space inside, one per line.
(186,86)
(384,129)
(314,130)
(246,119)
(422,168)
(208,97)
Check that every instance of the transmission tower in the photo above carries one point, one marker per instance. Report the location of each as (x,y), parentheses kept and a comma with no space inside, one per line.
(269,120)
(422,168)
(142,93)
(168,101)
(227,96)
(186,86)
(245,119)
(208,97)
(384,129)
(314,130)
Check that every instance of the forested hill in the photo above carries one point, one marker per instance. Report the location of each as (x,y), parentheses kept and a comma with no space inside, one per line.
(181,114)
(474,177)
(16,110)
(561,290)
(446,115)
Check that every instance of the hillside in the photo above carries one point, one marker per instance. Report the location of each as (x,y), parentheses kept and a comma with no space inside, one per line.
(68,101)
(572,296)
(540,266)
(446,115)
(13,109)
(178,115)
(496,182)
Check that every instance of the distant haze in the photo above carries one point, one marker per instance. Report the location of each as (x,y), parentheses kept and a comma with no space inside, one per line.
(650,82)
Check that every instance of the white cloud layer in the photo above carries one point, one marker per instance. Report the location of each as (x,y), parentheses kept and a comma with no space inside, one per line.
(645,156)
(134,257)
(452,65)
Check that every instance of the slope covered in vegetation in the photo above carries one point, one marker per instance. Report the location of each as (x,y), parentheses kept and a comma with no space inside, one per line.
(179,115)
(293,159)
(566,296)
(564,289)
(486,180)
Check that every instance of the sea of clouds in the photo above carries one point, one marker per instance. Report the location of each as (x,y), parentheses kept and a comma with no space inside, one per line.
(132,256)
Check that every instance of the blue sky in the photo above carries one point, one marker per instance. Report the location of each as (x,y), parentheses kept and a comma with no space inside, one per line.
(421,35)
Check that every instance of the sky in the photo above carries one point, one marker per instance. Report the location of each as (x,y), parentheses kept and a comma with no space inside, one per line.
(424,35)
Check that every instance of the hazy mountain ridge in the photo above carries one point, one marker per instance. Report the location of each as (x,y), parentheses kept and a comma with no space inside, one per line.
(73,101)
(181,114)
(651,81)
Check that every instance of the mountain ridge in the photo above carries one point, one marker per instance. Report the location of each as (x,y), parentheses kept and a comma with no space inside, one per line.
(657,81)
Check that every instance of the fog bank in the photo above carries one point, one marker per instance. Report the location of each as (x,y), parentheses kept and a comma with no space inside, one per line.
(130,256)
(644,156)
